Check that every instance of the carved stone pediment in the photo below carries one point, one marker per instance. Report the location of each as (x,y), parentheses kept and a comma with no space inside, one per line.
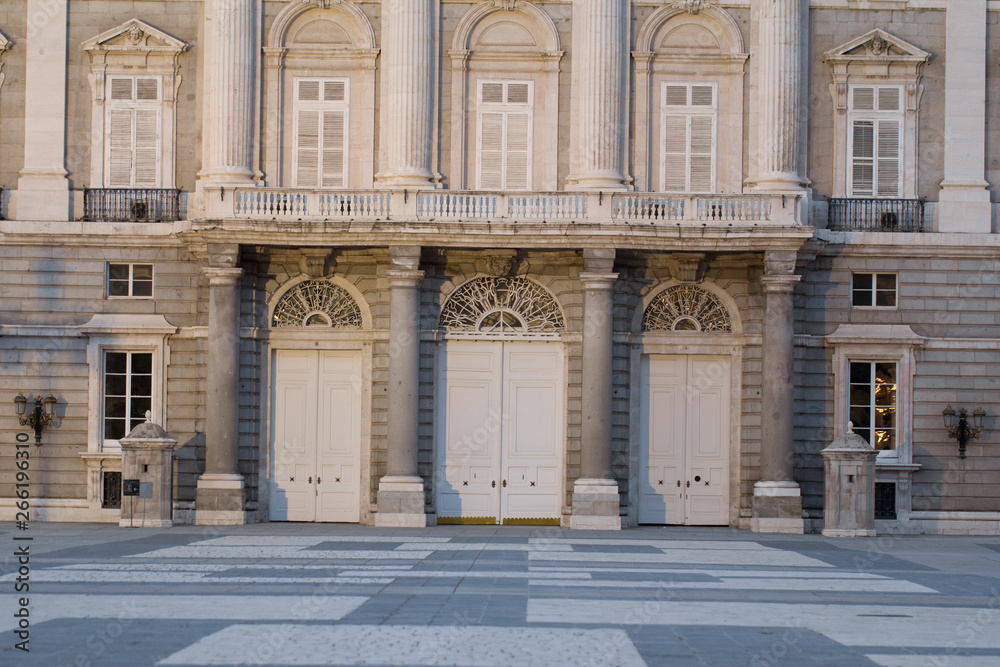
(877,45)
(135,35)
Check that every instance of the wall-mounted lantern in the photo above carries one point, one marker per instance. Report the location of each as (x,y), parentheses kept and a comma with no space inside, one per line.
(40,417)
(959,428)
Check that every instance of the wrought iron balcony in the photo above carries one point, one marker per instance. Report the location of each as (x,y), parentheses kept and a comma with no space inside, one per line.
(131,204)
(876,215)
(305,206)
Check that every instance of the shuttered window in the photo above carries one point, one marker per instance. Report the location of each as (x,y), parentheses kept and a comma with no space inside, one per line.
(320,154)
(504,155)
(688,144)
(132,132)
(876,122)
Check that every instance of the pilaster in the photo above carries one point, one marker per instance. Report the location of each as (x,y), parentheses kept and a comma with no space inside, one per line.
(219,496)
(231,45)
(599,94)
(401,490)
(779,92)
(43,189)
(409,45)
(777,503)
(964,202)
(595,493)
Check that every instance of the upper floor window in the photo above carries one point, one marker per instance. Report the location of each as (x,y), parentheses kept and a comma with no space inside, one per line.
(876,120)
(134,75)
(873,290)
(132,132)
(505,135)
(321,109)
(876,89)
(688,137)
(130,280)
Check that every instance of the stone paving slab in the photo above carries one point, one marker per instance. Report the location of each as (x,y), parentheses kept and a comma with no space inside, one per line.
(333,594)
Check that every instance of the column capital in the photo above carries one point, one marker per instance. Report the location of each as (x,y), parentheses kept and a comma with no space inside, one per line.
(780,262)
(779,284)
(404,257)
(593,280)
(404,278)
(221,276)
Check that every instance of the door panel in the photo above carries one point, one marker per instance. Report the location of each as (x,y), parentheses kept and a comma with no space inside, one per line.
(533,439)
(684,436)
(338,480)
(292,495)
(469,423)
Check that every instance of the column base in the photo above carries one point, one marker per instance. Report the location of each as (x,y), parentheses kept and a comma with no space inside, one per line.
(964,208)
(145,523)
(42,195)
(219,500)
(595,505)
(603,181)
(401,503)
(831,532)
(777,508)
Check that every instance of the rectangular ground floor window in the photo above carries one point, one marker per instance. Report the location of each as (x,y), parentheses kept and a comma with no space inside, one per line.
(128,391)
(873,402)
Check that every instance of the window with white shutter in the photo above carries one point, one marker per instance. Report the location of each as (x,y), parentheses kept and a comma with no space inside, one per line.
(320,153)
(875,141)
(688,137)
(132,132)
(504,142)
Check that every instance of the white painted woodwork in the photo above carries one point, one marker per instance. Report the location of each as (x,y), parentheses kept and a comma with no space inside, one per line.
(684,440)
(316,442)
(500,430)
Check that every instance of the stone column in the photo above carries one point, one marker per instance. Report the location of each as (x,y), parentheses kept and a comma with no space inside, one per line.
(781,112)
(219,498)
(777,502)
(964,203)
(595,493)
(230,46)
(599,94)
(401,490)
(42,189)
(409,45)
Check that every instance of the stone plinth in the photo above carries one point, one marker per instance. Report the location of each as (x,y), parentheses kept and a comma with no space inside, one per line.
(147,455)
(595,505)
(849,474)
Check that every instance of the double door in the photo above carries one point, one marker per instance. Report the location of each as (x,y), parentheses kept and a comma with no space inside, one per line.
(684,440)
(500,436)
(316,436)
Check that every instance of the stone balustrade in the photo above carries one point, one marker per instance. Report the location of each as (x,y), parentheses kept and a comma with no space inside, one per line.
(304,205)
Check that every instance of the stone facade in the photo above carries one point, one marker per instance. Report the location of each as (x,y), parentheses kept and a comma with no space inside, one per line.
(718,146)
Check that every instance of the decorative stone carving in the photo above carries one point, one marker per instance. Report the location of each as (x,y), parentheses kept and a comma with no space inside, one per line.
(316,263)
(686,308)
(136,35)
(688,267)
(691,6)
(509,5)
(317,303)
(499,266)
(502,306)
(877,45)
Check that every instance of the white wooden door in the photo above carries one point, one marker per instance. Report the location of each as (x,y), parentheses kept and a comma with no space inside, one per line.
(316,443)
(500,432)
(532,442)
(684,440)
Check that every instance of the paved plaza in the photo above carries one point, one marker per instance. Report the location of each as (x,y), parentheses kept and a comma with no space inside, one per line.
(483,596)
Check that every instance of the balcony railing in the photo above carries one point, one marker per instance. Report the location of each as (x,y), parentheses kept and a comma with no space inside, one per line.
(876,215)
(313,206)
(131,204)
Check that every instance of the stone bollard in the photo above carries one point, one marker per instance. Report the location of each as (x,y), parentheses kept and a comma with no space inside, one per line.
(849,503)
(147,456)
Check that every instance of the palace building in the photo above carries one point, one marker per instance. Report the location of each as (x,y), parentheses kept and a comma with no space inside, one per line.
(589,263)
